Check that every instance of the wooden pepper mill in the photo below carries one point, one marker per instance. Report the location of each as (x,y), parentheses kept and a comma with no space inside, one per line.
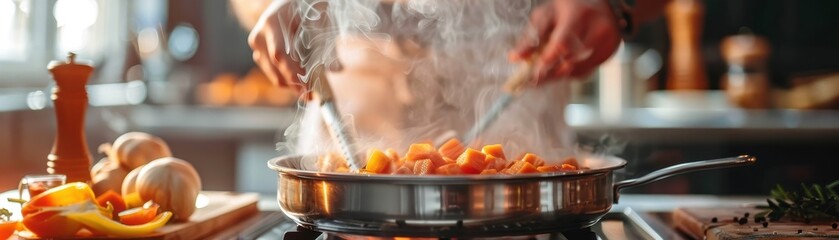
(686,67)
(69,155)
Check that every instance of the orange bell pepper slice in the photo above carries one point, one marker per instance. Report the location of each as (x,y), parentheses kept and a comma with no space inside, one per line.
(139,215)
(7,229)
(63,195)
(114,199)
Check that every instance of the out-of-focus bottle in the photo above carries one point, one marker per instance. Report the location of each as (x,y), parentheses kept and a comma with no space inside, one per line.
(747,82)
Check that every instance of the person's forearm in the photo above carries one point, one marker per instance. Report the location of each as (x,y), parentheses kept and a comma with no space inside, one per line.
(648,10)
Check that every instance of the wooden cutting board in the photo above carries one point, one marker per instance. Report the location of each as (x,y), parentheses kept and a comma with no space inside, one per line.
(224,209)
(697,223)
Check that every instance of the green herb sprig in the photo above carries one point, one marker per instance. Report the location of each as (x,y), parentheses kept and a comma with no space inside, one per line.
(5,215)
(812,203)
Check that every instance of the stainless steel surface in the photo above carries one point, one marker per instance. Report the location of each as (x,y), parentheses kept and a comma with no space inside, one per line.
(446,206)
(339,133)
(683,168)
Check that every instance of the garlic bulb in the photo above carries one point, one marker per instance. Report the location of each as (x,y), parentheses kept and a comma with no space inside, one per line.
(134,149)
(107,175)
(128,185)
(170,182)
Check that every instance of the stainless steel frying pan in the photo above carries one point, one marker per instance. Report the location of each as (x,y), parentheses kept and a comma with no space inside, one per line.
(468,205)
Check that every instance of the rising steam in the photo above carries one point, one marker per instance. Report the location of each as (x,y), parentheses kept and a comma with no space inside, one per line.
(414,70)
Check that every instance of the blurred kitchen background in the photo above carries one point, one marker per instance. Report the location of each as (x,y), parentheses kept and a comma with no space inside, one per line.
(710,79)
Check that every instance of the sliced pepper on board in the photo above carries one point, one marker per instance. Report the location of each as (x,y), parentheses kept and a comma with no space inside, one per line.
(64,210)
(51,222)
(7,229)
(139,215)
(98,223)
(113,198)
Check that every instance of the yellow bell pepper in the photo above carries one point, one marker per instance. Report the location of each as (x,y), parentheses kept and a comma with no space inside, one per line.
(101,224)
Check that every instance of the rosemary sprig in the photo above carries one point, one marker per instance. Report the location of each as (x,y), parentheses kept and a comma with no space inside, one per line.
(814,202)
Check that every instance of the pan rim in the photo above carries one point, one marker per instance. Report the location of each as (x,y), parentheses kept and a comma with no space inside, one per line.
(274,164)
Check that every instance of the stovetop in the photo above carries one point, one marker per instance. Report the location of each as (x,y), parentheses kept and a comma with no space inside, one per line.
(625,224)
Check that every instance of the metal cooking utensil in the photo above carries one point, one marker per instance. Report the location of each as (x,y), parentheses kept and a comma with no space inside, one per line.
(512,88)
(332,118)
(460,205)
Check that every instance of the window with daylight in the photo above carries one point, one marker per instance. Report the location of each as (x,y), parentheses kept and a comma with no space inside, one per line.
(34,32)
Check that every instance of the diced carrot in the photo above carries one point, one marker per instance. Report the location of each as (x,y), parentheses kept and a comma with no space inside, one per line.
(533,159)
(424,151)
(489,171)
(448,169)
(449,160)
(471,161)
(452,148)
(377,161)
(494,150)
(424,167)
(567,167)
(552,168)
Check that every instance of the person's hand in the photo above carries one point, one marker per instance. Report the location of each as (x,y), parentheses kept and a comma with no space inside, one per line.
(269,40)
(571,38)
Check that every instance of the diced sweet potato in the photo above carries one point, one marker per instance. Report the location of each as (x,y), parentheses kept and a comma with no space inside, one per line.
(377,162)
(494,150)
(330,162)
(448,169)
(567,167)
(527,168)
(495,163)
(392,154)
(452,148)
(489,171)
(570,160)
(424,151)
(520,167)
(471,161)
(552,168)
(424,167)
(403,171)
(449,160)
(533,160)
(342,170)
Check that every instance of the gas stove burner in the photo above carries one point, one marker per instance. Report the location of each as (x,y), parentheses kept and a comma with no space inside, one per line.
(303,233)
(626,224)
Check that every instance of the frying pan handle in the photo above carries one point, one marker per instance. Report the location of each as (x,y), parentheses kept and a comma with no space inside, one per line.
(683,168)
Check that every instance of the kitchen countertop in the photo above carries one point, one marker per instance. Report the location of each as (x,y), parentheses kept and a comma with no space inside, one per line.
(651,206)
